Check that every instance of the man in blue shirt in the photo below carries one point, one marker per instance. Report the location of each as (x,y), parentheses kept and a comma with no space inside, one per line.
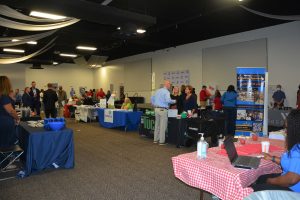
(278,98)
(161,101)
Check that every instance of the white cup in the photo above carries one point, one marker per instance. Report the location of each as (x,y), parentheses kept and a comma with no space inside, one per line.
(265,145)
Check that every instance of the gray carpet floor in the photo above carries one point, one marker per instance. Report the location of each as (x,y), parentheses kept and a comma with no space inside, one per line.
(109,164)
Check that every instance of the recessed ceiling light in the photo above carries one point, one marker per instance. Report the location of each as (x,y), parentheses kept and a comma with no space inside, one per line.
(55,63)
(68,55)
(15,40)
(86,48)
(32,42)
(14,50)
(240,0)
(141,31)
(119,28)
(46,15)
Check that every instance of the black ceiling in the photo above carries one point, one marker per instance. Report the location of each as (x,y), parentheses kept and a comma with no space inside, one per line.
(168,23)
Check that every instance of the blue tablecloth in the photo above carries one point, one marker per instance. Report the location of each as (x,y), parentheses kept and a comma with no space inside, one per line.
(121,118)
(45,149)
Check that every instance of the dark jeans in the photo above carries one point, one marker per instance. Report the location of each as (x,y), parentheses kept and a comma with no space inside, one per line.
(36,107)
(52,112)
(262,185)
(230,116)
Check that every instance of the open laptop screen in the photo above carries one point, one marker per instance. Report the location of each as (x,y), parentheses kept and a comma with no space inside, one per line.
(230,149)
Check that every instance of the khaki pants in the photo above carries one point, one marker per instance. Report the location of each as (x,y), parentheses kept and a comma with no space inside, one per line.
(60,111)
(203,104)
(161,123)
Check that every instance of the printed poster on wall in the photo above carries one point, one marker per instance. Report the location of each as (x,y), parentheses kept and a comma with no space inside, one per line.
(180,77)
(108,115)
(250,102)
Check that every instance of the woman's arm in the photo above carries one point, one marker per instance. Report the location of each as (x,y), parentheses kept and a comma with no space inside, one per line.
(287,180)
(272,158)
(10,110)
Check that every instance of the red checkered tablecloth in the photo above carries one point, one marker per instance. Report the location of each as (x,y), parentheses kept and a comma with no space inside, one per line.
(216,175)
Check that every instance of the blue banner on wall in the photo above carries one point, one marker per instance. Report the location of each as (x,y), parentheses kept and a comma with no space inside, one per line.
(250,102)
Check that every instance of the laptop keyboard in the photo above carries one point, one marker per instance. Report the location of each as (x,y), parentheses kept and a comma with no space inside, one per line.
(248,161)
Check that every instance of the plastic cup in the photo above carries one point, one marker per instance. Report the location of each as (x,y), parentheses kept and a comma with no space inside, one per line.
(265,145)
(243,141)
(254,137)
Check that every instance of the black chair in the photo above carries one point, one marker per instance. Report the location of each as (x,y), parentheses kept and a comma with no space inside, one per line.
(9,155)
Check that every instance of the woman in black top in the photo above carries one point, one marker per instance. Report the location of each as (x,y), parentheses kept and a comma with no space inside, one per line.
(190,101)
(181,99)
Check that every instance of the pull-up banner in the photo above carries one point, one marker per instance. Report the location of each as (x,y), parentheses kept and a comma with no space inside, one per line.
(250,102)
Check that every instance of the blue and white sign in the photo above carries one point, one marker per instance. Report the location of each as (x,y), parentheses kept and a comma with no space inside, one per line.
(109,115)
(250,102)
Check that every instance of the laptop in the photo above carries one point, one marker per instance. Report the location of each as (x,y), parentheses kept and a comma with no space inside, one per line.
(246,162)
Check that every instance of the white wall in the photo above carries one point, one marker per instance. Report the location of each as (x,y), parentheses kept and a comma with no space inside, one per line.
(105,76)
(283,52)
(66,75)
(16,74)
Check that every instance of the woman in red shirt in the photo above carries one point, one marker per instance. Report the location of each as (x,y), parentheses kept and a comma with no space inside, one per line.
(217,101)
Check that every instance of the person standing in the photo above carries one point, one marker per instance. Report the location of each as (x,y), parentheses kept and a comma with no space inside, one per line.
(161,101)
(204,96)
(62,100)
(298,98)
(26,98)
(8,115)
(72,92)
(35,94)
(50,97)
(108,94)
(181,99)
(229,106)
(217,101)
(190,101)
(278,98)
(18,97)
(100,94)
(175,96)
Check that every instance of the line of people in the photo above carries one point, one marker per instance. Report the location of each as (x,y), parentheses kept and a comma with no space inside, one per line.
(162,100)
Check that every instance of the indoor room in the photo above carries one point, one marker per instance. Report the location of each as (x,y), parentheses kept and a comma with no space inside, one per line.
(140,99)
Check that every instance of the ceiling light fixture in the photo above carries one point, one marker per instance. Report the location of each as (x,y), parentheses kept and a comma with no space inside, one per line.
(68,55)
(46,15)
(140,31)
(240,0)
(86,48)
(55,63)
(32,42)
(119,28)
(15,40)
(14,50)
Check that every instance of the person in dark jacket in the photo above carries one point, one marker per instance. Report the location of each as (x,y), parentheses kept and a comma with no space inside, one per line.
(35,94)
(26,98)
(49,99)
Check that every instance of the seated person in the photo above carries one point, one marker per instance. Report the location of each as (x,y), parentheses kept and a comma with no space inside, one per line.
(87,100)
(127,105)
(278,98)
(273,195)
(289,179)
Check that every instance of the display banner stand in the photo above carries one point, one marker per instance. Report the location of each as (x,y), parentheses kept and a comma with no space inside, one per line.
(251,88)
